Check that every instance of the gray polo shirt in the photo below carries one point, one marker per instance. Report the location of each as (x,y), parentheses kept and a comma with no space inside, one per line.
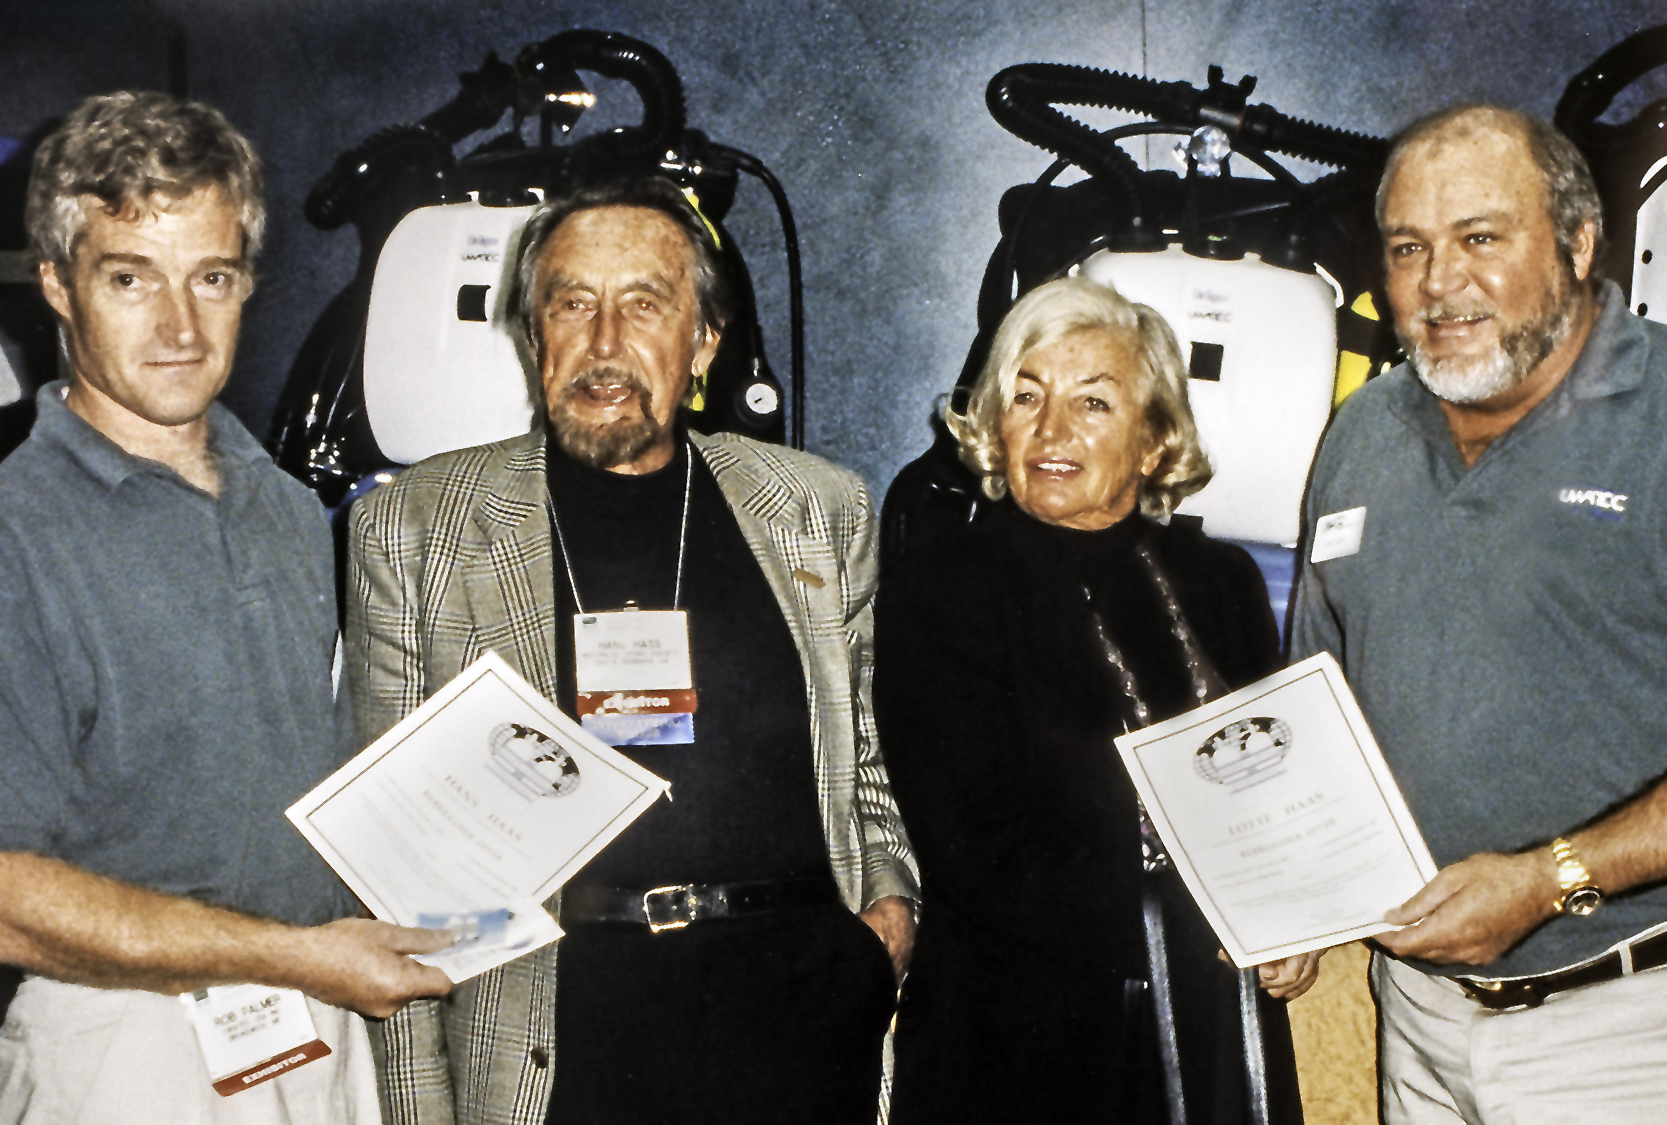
(1505,626)
(165,667)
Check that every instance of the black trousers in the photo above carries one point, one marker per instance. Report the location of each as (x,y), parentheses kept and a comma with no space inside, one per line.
(768,1019)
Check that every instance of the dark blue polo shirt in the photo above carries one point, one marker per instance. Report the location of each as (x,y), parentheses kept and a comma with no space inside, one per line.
(1505,626)
(165,667)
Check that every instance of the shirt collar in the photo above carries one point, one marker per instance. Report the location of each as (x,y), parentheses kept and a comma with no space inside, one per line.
(1616,355)
(108,462)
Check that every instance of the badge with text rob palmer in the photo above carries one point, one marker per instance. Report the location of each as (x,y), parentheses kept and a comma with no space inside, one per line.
(250,1033)
(634,678)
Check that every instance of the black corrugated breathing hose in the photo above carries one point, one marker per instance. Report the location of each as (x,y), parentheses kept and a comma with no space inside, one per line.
(613,55)
(486,95)
(1591,91)
(1022,99)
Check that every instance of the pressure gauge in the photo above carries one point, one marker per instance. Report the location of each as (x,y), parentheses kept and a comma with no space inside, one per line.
(763,399)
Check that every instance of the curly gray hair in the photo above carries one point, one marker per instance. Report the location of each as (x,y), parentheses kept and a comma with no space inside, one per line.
(1050,312)
(126,147)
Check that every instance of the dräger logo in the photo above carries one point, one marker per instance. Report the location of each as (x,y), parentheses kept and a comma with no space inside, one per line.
(1596,501)
(628,704)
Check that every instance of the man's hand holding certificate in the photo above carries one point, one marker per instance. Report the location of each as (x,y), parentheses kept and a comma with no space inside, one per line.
(1280,815)
(471,811)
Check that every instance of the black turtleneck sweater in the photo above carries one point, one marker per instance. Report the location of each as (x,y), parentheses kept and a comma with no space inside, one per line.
(744,800)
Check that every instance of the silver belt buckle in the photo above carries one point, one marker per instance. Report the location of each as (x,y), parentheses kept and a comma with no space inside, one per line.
(669,908)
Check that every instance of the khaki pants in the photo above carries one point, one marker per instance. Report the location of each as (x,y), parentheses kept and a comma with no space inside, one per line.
(85,1056)
(1590,1056)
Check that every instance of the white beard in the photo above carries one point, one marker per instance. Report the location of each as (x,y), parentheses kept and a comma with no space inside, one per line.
(1467,380)
(1464,380)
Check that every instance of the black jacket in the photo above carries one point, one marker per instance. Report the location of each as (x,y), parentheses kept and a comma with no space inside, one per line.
(997,708)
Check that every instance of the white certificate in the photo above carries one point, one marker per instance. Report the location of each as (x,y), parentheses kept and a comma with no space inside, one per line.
(1280,815)
(484,797)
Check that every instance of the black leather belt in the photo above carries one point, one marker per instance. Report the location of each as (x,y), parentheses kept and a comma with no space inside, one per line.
(673,907)
(1530,992)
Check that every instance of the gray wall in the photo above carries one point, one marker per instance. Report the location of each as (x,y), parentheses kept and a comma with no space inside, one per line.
(871,114)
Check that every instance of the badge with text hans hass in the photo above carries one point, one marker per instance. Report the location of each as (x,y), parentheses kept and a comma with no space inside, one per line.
(252,1033)
(635,682)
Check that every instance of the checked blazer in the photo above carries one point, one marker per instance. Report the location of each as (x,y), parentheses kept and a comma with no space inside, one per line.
(454,559)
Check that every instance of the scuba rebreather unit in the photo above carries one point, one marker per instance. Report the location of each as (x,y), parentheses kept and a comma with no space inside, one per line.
(1260,277)
(415,356)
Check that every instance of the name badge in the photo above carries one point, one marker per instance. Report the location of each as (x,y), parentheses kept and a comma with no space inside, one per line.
(251,1033)
(1338,535)
(634,677)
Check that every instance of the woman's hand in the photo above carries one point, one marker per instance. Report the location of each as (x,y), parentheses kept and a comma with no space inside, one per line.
(1290,978)
(893,919)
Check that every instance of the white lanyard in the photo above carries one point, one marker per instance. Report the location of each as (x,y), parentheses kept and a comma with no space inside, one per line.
(682,539)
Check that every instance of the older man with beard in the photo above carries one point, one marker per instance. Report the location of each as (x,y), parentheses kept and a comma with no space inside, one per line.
(1487,542)
(731,957)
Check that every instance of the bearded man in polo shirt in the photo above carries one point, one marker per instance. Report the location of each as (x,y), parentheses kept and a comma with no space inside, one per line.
(1503,621)
(733,955)
(167,619)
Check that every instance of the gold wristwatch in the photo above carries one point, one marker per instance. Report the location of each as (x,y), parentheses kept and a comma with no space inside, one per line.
(1581,895)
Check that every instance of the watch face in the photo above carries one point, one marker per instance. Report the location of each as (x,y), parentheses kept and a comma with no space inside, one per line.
(1583,900)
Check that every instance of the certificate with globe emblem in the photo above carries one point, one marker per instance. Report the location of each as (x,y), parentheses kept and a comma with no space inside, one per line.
(1276,808)
(473,809)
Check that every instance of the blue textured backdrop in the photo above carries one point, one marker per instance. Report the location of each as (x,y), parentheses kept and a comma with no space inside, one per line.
(872,114)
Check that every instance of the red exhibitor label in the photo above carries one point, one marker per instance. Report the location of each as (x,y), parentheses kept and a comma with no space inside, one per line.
(271,1068)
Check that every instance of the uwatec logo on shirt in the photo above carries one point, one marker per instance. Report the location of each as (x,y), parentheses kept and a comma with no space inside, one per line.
(1595,501)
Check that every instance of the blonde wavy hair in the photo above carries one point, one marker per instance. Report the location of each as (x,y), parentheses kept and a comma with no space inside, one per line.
(1045,315)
